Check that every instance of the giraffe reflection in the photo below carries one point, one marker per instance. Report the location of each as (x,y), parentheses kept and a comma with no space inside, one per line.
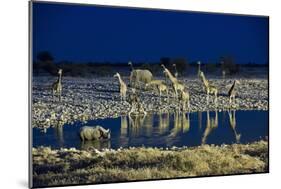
(232,122)
(135,124)
(177,124)
(164,121)
(211,124)
(185,122)
(59,135)
(124,131)
(181,125)
(147,125)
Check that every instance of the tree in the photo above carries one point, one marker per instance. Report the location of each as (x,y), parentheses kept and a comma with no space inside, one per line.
(46,61)
(45,57)
(228,65)
(181,64)
(166,62)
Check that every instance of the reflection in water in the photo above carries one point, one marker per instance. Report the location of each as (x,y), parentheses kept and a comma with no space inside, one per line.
(86,145)
(147,125)
(164,121)
(211,124)
(162,130)
(124,131)
(59,135)
(232,122)
(181,125)
(135,122)
(177,124)
(185,122)
(199,120)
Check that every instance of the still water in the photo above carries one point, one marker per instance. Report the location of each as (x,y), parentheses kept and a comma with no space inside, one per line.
(164,130)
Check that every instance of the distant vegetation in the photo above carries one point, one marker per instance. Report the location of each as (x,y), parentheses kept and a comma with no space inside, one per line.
(45,65)
(229,66)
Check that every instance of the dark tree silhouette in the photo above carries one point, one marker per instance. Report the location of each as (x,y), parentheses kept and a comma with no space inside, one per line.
(45,56)
(46,62)
(228,65)
(181,64)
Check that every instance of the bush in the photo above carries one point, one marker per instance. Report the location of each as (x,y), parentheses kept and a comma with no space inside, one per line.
(229,65)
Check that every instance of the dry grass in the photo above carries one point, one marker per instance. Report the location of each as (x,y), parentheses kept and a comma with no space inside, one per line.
(70,166)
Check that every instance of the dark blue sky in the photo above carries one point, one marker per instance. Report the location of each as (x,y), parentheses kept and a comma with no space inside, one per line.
(91,33)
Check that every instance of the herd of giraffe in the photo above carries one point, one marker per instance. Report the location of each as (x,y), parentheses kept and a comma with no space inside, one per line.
(180,91)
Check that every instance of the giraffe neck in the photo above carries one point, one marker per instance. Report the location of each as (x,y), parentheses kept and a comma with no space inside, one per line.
(206,83)
(234,84)
(120,80)
(59,79)
(232,87)
(172,78)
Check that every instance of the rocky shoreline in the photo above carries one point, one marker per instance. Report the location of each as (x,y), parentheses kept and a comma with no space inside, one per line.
(93,98)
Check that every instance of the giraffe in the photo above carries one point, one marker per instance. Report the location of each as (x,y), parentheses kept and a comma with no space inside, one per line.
(232,121)
(210,89)
(175,83)
(160,85)
(57,86)
(123,87)
(232,92)
(184,98)
(176,71)
(136,105)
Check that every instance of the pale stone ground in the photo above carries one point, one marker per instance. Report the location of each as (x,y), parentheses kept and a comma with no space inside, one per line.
(91,98)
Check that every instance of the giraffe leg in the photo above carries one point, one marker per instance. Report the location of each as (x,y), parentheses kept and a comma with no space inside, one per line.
(176,93)
(60,96)
(53,95)
(216,99)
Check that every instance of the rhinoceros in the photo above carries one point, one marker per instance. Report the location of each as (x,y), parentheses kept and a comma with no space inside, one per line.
(94,133)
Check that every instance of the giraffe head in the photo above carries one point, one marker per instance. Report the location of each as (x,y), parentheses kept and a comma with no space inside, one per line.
(60,71)
(117,75)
